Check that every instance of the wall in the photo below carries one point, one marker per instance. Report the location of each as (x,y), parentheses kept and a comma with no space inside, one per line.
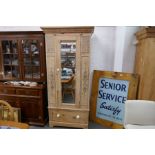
(113,48)
(102,48)
(129,49)
(125,48)
(119,48)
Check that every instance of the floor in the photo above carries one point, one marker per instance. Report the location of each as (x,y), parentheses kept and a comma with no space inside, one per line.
(91,126)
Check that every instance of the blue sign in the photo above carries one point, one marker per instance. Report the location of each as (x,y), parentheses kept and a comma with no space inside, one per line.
(111,98)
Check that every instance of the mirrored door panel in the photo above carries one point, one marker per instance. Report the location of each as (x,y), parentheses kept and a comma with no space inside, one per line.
(31,54)
(10,59)
(68,71)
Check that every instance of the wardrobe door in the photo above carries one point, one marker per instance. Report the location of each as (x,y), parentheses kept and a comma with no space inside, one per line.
(68,70)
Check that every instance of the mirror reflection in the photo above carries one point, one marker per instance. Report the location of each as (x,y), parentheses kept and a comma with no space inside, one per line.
(68,61)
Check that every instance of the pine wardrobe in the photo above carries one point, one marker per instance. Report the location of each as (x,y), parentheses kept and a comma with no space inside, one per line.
(67,58)
(145,63)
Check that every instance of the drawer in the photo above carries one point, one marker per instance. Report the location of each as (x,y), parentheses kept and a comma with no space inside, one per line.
(10,99)
(7,91)
(27,92)
(69,116)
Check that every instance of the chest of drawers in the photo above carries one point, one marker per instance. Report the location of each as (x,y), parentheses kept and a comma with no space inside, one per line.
(31,101)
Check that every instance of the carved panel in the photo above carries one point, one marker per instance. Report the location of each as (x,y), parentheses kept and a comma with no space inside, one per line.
(85,80)
(51,80)
(85,44)
(50,44)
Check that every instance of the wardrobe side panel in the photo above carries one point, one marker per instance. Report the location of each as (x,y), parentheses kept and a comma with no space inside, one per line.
(50,63)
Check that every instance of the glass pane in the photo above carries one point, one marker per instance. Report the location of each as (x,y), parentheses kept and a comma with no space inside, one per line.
(9,46)
(30,47)
(7,72)
(26,47)
(28,72)
(31,58)
(36,72)
(9,59)
(35,60)
(14,47)
(27,60)
(34,47)
(6,59)
(68,55)
(14,59)
(15,72)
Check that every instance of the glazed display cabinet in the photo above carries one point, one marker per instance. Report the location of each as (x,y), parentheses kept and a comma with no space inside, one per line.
(67,57)
(22,58)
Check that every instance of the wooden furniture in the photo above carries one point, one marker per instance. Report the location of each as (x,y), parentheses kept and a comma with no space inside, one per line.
(68,48)
(145,63)
(22,58)
(31,100)
(64,81)
(68,87)
(5,112)
(12,124)
(3,105)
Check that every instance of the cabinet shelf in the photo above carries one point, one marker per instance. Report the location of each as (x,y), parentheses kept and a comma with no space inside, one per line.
(10,53)
(10,65)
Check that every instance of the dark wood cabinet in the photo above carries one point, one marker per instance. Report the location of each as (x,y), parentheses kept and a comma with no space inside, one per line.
(22,58)
(31,101)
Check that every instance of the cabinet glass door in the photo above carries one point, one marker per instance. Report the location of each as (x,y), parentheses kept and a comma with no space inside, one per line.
(9,59)
(31,56)
(68,71)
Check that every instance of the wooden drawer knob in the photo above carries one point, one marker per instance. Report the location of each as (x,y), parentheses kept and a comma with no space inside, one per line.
(77,116)
(58,115)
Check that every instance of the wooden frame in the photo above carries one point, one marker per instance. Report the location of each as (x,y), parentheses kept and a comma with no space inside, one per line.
(72,29)
(16,113)
(58,64)
(132,82)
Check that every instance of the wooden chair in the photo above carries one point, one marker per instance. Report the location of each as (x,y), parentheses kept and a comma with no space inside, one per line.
(7,121)
(9,115)
(69,88)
